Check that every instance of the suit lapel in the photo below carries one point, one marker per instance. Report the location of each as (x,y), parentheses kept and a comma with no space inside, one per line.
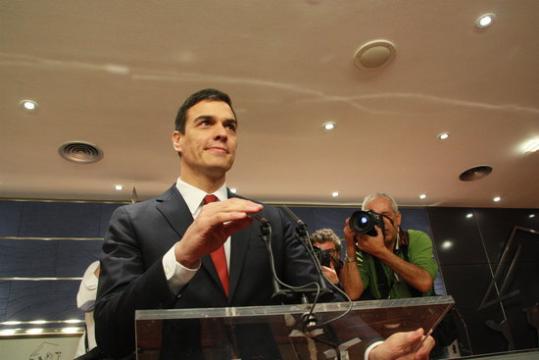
(172,206)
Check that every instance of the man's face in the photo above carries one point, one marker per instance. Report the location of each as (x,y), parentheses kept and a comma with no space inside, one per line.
(208,146)
(383,206)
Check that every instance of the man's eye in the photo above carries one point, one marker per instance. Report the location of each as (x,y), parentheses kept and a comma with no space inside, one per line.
(231,126)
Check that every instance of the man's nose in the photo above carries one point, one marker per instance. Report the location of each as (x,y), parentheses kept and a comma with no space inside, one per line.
(220,132)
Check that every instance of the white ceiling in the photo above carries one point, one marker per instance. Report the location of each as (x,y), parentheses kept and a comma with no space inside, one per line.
(114,74)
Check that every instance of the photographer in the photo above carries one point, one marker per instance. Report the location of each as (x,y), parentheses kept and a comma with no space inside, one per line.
(386,262)
(327,246)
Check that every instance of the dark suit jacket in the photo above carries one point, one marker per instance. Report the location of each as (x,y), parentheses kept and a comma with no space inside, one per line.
(132,275)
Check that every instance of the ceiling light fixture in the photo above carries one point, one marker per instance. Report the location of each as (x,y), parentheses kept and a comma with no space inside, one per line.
(28,105)
(118,187)
(374,54)
(497,199)
(443,136)
(34,331)
(329,125)
(423,196)
(531,216)
(446,245)
(530,146)
(335,194)
(484,21)
(469,216)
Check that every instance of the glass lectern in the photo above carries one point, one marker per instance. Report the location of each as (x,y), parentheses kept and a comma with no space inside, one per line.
(330,331)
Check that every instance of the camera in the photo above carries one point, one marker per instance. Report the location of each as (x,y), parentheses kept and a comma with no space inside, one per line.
(364,222)
(324,256)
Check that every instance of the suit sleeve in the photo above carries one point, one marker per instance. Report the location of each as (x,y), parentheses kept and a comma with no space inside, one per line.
(126,284)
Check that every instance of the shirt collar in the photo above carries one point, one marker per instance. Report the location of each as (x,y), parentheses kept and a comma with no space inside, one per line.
(193,196)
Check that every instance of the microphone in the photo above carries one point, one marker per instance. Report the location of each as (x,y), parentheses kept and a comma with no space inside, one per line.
(303,234)
(265,234)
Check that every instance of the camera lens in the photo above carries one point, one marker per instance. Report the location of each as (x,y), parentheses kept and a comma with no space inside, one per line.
(364,222)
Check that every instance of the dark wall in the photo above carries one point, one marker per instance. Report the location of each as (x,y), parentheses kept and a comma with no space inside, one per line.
(26,251)
(469,264)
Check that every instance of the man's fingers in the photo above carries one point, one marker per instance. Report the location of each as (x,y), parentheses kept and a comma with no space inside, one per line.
(232,205)
(237,225)
(424,350)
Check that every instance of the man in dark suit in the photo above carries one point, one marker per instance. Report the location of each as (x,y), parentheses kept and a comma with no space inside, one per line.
(196,245)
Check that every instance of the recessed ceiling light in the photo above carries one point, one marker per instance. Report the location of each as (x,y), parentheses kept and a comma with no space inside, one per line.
(484,21)
(34,331)
(497,199)
(469,215)
(446,245)
(29,105)
(530,146)
(531,216)
(335,194)
(233,190)
(73,321)
(38,322)
(443,136)
(423,196)
(329,125)
(118,187)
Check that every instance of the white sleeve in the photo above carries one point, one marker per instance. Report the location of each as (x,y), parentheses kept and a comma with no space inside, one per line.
(371,346)
(176,274)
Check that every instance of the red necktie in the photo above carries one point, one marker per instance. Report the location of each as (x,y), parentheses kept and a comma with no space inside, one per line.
(218,256)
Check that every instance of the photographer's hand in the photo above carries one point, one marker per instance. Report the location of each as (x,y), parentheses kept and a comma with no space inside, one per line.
(373,245)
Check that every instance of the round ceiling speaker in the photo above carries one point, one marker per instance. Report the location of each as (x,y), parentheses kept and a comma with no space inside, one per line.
(374,54)
(475,173)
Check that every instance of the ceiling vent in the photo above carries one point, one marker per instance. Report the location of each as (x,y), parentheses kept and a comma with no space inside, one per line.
(80,152)
(475,173)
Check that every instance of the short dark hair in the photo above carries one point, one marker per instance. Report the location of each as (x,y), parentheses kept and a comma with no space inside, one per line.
(321,236)
(193,99)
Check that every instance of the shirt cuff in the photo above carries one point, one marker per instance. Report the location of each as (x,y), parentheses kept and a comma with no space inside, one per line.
(176,274)
(370,347)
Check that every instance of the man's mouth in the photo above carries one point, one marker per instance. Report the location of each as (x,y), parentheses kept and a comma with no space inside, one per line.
(217,149)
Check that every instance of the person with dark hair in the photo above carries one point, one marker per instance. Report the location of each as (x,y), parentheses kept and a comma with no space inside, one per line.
(196,246)
(328,247)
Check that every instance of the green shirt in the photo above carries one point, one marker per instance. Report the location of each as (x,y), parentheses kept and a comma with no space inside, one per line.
(419,253)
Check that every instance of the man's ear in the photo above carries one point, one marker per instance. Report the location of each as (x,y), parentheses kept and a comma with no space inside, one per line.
(177,141)
(398,219)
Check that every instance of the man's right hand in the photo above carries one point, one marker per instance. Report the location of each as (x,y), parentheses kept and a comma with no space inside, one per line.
(215,223)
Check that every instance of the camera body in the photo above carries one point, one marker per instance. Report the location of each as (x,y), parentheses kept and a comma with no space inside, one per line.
(364,222)
(324,256)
